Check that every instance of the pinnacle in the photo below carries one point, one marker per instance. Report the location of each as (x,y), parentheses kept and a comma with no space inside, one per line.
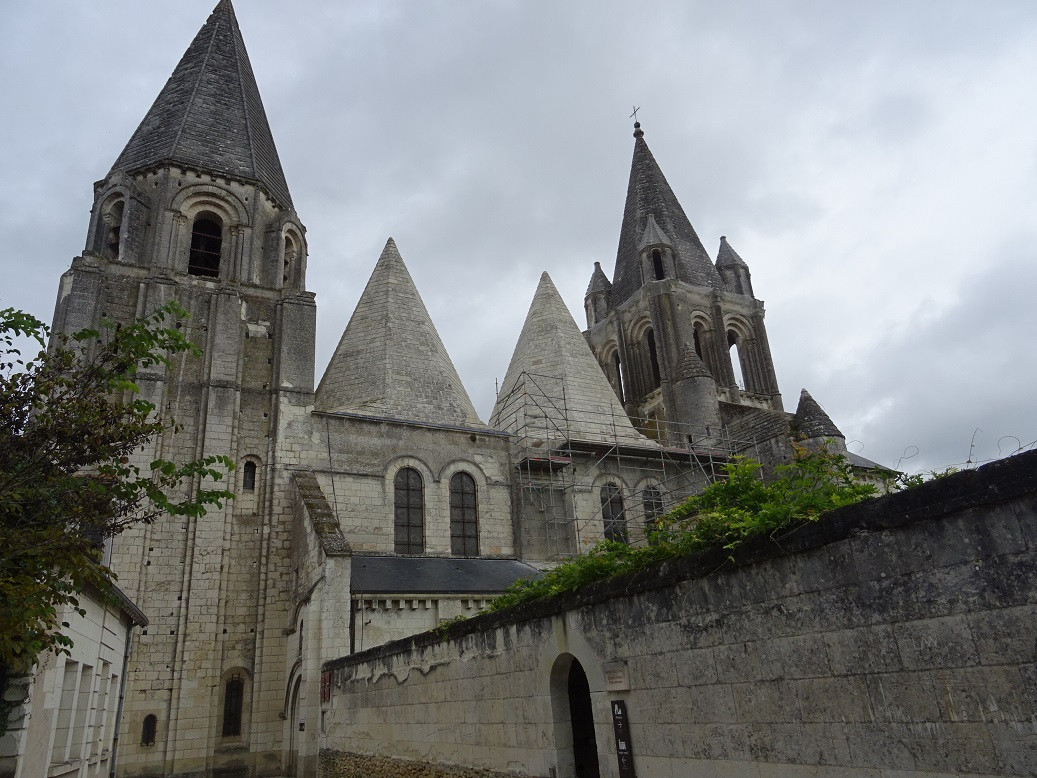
(390,361)
(727,256)
(599,281)
(209,116)
(811,420)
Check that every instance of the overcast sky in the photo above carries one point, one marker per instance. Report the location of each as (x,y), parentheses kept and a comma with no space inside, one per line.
(874,163)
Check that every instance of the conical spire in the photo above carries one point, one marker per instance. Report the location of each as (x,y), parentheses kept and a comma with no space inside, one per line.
(727,256)
(390,361)
(648,194)
(691,366)
(599,281)
(209,115)
(554,388)
(811,421)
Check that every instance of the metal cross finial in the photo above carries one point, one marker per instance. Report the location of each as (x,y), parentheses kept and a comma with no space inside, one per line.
(634,114)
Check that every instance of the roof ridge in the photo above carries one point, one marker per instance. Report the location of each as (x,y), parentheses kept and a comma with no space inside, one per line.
(241,85)
(197,81)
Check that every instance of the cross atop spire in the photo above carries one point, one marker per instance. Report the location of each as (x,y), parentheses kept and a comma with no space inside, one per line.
(209,116)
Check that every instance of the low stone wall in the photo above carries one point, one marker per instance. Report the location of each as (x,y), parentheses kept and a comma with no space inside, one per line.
(899,635)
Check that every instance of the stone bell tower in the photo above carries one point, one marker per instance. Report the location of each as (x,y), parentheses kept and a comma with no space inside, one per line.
(196,208)
(679,337)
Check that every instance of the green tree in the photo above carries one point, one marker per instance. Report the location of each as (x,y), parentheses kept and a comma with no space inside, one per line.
(72,424)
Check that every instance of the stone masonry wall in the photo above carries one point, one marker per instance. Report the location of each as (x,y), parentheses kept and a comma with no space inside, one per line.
(897,636)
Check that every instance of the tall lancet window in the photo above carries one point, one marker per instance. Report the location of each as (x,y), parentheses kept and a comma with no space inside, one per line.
(612,513)
(464,516)
(653,359)
(206,246)
(409,510)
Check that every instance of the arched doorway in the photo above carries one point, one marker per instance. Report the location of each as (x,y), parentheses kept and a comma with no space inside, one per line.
(581,718)
(292,767)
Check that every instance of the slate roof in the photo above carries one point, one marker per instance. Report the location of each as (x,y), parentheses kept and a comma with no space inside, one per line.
(727,256)
(811,420)
(209,115)
(599,281)
(435,575)
(390,361)
(558,363)
(648,193)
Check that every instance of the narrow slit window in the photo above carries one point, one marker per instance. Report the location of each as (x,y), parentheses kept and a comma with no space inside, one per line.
(233,698)
(464,516)
(696,335)
(409,509)
(206,246)
(657,265)
(736,358)
(248,477)
(147,730)
(612,513)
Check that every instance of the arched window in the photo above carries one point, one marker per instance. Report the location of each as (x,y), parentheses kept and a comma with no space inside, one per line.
(289,261)
(206,245)
(233,698)
(653,504)
(618,367)
(736,358)
(657,265)
(696,336)
(113,222)
(248,477)
(464,516)
(147,731)
(409,504)
(653,358)
(612,513)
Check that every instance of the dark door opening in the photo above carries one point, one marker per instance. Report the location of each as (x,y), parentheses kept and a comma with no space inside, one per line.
(585,748)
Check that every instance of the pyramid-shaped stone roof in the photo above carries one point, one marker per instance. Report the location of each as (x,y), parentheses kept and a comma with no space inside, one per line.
(554,388)
(599,281)
(649,196)
(727,256)
(811,421)
(209,115)
(390,361)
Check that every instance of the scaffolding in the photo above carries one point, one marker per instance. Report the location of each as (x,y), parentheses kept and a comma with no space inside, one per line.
(563,454)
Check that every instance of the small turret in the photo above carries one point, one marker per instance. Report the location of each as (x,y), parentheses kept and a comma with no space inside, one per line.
(733,270)
(814,428)
(695,394)
(596,300)
(656,252)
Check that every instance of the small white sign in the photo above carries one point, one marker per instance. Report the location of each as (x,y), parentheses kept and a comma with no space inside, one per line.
(616,677)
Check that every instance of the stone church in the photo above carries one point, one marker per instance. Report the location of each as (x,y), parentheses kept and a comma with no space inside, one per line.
(376,503)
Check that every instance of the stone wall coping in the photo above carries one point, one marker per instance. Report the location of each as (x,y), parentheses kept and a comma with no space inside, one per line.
(997,482)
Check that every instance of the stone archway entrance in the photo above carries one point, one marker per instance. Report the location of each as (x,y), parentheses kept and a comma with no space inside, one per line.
(581,718)
(293,739)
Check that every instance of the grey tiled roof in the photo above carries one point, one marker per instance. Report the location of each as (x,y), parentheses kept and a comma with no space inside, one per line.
(390,361)
(811,420)
(648,193)
(727,256)
(599,281)
(435,575)
(209,115)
